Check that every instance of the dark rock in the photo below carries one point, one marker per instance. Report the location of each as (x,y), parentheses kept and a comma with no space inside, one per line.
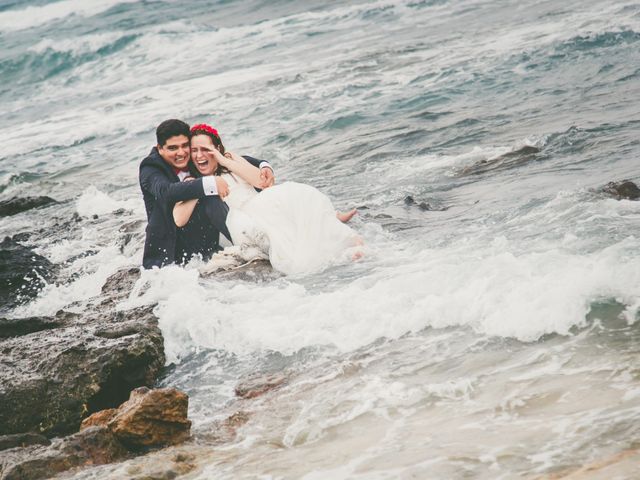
(23,273)
(625,189)
(150,418)
(15,327)
(54,378)
(22,440)
(94,446)
(424,206)
(18,204)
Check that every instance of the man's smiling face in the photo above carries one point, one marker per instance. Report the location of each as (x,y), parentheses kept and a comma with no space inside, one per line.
(176,151)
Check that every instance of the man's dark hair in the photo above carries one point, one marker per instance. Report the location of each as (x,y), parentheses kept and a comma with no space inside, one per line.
(171,128)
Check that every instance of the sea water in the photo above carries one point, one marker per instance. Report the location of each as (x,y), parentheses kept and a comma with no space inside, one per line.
(490,331)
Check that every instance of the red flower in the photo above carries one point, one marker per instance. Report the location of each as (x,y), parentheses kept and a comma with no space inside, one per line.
(203,127)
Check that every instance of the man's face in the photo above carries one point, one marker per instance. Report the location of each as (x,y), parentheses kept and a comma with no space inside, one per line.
(176,151)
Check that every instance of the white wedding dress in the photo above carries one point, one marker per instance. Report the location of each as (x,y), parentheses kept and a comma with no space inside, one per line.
(292,224)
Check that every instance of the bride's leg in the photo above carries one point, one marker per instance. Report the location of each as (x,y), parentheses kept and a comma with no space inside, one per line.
(344,217)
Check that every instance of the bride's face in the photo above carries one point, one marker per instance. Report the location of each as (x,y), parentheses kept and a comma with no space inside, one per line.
(203,159)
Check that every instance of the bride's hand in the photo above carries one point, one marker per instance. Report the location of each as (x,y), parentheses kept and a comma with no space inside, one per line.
(232,156)
(218,156)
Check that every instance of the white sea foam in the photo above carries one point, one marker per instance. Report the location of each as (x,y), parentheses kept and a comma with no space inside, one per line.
(493,291)
(95,269)
(11,20)
(94,202)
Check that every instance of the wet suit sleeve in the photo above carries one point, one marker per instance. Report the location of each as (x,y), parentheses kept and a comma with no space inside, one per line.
(157,184)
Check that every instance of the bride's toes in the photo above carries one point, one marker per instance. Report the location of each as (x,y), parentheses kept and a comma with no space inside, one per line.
(344,217)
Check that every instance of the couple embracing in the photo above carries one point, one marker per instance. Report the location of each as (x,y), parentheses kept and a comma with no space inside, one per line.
(194,190)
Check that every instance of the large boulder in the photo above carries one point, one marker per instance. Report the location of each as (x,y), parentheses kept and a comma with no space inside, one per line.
(58,370)
(150,418)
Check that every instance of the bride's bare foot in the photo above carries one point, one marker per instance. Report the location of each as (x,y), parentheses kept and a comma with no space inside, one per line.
(359,242)
(346,216)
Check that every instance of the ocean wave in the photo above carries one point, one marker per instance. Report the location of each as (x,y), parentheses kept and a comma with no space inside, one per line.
(598,40)
(50,57)
(30,17)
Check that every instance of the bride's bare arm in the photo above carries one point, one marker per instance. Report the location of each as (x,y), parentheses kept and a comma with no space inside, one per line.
(182,211)
(238,165)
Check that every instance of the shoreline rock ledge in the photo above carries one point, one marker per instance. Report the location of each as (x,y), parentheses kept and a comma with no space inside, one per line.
(73,365)
(58,370)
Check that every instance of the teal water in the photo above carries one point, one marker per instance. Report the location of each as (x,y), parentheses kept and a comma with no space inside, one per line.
(466,343)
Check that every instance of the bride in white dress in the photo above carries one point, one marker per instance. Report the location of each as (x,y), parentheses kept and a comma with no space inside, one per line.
(293,225)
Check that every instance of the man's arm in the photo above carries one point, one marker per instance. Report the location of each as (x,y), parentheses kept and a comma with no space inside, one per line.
(155,182)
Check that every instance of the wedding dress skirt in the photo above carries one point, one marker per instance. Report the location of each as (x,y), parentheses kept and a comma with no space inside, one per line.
(292,224)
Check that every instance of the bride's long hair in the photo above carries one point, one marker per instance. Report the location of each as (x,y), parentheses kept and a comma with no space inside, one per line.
(212,133)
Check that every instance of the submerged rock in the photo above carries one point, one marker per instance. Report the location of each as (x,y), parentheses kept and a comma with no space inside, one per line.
(424,206)
(53,378)
(150,418)
(22,204)
(625,189)
(258,385)
(94,446)
(505,161)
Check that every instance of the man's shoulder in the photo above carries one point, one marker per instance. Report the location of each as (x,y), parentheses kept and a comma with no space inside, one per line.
(153,158)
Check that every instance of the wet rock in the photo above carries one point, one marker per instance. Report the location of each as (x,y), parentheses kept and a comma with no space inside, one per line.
(129,232)
(149,418)
(22,440)
(93,446)
(118,286)
(23,273)
(255,386)
(22,204)
(625,189)
(54,378)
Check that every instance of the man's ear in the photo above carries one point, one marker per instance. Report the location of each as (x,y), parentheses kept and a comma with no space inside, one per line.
(159,146)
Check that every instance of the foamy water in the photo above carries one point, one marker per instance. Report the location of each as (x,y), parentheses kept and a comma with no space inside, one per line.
(470,339)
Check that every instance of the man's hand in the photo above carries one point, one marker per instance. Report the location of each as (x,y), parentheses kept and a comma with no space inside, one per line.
(267,178)
(223,187)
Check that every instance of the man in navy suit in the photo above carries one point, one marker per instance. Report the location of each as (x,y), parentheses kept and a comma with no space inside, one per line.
(161,175)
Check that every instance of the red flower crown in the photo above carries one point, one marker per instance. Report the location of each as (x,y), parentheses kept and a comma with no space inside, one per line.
(203,127)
